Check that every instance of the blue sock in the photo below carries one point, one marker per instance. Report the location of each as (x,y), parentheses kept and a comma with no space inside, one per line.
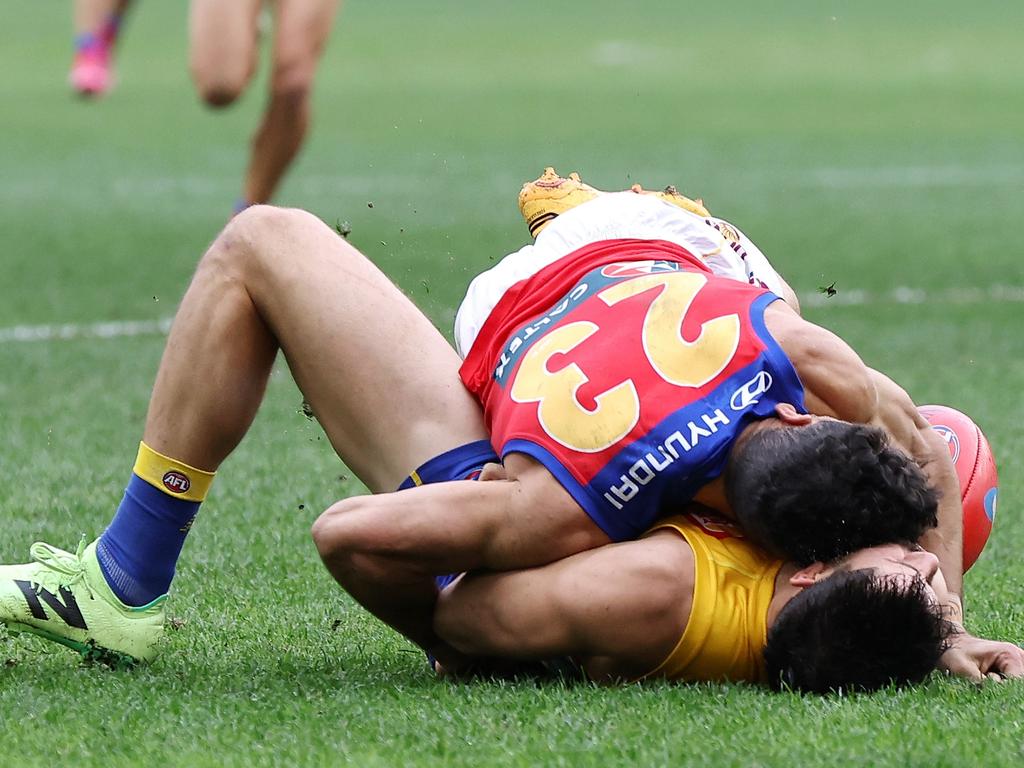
(86,40)
(139,549)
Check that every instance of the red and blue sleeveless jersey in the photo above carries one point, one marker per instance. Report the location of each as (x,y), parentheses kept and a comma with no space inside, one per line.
(627,369)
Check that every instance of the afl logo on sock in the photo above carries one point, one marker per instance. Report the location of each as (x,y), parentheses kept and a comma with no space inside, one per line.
(175,482)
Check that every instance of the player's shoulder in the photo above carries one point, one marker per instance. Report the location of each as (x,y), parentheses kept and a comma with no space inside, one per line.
(836,381)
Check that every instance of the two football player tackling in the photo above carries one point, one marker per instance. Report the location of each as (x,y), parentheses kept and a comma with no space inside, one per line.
(282,279)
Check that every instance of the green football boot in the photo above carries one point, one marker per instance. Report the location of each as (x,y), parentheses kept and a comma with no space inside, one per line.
(65,598)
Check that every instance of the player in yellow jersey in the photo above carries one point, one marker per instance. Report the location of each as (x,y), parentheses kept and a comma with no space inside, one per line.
(695,601)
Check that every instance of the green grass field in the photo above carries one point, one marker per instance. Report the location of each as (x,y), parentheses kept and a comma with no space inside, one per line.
(872,144)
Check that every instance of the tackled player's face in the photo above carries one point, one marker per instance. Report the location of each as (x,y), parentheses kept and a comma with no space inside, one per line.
(900,563)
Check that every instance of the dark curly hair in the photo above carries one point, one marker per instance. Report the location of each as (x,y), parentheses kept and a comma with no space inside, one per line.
(824,490)
(856,631)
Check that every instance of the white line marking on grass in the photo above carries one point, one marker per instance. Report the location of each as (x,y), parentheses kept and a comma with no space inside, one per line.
(67,331)
(996,294)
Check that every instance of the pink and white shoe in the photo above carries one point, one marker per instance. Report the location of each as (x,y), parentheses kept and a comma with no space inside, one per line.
(91,72)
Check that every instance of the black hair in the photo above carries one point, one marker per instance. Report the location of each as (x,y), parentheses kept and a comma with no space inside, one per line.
(856,631)
(818,492)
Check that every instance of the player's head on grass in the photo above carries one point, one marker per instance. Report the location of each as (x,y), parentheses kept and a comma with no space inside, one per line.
(820,491)
(856,630)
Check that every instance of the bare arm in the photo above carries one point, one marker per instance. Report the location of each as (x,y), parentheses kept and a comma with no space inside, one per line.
(897,414)
(623,607)
(386,549)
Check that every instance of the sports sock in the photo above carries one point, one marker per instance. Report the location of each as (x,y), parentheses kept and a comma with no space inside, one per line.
(110,29)
(86,41)
(104,37)
(140,548)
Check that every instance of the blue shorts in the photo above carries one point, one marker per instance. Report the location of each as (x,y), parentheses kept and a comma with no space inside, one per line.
(462,463)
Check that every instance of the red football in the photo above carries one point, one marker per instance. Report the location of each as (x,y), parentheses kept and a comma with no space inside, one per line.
(976,470)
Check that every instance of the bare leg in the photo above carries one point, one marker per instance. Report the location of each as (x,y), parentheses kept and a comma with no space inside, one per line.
(90,15)
(381,379)
(96,24)
(301,31)
(222,47)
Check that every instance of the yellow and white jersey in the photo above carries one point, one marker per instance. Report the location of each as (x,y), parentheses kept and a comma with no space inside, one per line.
(734,582)
(613,216)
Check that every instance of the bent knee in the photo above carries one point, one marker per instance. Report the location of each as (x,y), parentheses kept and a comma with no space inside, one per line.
(243,246)
(269,225)
(268,247)
(219,86)
(292,80)
(217,96)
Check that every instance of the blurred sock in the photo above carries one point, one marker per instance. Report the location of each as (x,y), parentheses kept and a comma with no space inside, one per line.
(86,41)
(111,28)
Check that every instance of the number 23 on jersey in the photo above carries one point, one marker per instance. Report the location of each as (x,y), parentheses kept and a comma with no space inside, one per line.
(674,359)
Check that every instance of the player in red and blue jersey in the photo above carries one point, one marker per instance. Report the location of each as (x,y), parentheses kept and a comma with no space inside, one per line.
(632,388)
(587,388)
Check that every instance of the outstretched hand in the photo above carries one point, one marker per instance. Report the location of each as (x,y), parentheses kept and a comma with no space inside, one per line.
(978,659)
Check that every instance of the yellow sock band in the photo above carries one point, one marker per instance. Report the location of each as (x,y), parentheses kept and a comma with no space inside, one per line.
(171,476)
